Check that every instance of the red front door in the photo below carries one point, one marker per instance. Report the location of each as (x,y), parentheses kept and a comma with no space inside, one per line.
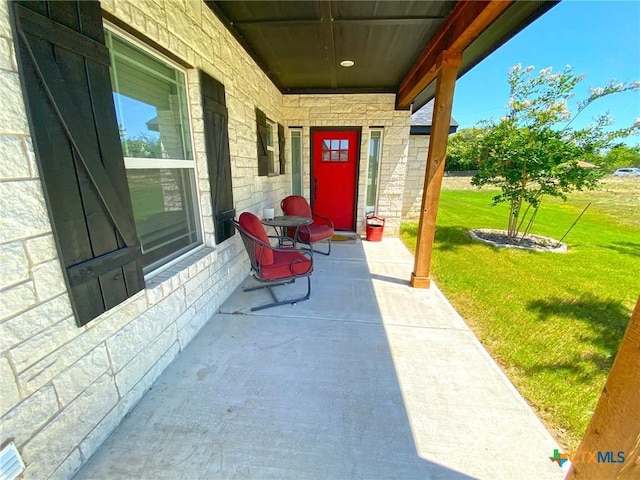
(333,180)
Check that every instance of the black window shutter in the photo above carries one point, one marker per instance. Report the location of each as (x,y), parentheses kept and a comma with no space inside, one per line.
(216,121)
(281,147)
(263,153)
(64,66)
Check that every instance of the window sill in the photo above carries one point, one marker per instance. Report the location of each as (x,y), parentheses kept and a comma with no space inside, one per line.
(273,174)
(161,284)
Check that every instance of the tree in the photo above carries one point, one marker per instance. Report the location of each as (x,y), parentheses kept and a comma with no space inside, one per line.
(533,151)
(142,145)
(621,156)
(458,147)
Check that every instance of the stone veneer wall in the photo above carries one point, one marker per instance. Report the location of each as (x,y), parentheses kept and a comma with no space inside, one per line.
(414,182)
(366,110)
(63,389)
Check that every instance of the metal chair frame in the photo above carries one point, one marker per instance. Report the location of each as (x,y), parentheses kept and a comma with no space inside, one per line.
(255,249)
(314,216)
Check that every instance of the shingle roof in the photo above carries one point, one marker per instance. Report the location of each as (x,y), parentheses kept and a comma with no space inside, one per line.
(421,121)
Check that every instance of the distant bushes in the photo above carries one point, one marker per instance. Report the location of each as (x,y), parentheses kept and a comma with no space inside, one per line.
(620,156)
(459,144)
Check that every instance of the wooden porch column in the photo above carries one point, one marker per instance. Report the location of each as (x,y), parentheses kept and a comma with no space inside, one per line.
(615,424)
(445,84)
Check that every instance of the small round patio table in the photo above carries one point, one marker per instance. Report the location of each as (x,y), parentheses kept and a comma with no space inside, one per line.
(284,222)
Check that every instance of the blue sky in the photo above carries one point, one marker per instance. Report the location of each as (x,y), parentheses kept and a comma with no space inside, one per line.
(598,38)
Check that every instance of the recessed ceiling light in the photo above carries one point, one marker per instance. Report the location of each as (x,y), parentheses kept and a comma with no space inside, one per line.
(347,63)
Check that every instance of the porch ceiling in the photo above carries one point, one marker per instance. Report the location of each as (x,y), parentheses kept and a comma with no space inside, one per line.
(300,44)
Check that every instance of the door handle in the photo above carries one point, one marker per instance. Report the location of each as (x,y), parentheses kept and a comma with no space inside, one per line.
(315,189)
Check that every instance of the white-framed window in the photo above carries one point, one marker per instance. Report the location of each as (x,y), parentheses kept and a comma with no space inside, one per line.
(272,142)
(150,96)
(373,171)
(295,136)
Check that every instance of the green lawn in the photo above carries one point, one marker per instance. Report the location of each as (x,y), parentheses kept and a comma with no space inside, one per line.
(553,321)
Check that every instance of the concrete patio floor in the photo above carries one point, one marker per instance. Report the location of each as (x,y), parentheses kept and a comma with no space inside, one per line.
(369,379)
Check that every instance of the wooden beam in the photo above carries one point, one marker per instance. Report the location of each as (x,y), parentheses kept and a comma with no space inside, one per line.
(615,424)
(467,21)
(447,65)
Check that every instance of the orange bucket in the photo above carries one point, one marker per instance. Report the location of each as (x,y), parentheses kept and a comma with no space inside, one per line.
(375,228)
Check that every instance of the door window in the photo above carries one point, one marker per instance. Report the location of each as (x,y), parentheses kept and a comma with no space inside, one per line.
(335,150)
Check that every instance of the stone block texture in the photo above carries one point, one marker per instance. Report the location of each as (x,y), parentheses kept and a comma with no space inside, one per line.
(414,180)
(65,388)
(366,111)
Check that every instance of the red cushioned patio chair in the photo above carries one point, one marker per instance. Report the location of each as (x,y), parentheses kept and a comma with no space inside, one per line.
(321,229)
(273,266)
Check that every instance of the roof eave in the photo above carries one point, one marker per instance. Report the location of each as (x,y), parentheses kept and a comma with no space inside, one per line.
(517,17)
(426,129)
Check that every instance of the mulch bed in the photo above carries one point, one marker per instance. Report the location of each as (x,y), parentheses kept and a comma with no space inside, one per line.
(499,239)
